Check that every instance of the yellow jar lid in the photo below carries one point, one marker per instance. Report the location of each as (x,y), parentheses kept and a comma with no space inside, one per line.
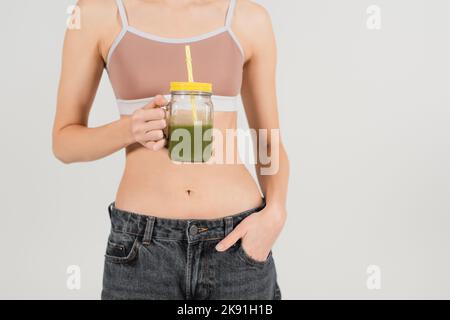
(191,86)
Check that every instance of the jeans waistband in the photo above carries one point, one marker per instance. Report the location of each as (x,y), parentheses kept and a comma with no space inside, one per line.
(190,230)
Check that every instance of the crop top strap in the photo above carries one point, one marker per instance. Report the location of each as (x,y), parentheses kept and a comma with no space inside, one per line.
(230,13)
(123,13)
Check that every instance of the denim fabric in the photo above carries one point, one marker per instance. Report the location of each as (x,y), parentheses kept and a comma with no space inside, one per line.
(169,259)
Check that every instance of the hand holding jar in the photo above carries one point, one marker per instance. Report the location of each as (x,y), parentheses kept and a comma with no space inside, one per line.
(148,123)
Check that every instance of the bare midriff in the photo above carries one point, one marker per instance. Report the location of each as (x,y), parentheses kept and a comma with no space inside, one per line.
(154,185)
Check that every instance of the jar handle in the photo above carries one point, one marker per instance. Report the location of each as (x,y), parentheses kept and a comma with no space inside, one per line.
(166,109)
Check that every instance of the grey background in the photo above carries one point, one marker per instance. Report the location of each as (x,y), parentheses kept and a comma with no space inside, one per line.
(365,118)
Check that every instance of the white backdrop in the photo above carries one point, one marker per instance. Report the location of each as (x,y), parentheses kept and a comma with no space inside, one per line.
(365,119)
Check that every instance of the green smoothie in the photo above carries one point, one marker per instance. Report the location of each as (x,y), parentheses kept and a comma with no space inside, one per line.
(190,142)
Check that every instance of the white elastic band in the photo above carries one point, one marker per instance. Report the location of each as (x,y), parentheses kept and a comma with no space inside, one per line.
(230,13)
(123,13)
(155,37)
(220,103)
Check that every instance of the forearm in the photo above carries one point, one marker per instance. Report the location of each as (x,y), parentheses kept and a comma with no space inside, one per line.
(275,185)
(77,143)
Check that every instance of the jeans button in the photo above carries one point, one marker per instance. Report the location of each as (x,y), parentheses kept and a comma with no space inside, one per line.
(193,230)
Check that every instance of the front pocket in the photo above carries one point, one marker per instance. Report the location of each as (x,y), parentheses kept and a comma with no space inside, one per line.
(248,259)
(121,247)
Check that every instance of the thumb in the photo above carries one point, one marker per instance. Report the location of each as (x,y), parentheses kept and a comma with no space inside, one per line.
(231,239)
(157,101)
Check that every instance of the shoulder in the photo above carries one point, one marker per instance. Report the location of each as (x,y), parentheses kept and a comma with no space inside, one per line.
(253,25)
(99,23)
(253,14)
(97,15)
(96,6)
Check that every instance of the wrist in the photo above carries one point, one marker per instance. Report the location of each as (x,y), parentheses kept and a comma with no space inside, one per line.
(127,133)
(276,205)
(277,211)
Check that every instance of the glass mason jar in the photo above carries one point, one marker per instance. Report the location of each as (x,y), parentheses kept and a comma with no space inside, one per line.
(190,122)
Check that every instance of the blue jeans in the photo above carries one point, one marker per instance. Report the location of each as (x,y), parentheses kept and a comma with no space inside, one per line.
(154,258)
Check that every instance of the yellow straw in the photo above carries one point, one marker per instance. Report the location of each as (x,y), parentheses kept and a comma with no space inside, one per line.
(191,79)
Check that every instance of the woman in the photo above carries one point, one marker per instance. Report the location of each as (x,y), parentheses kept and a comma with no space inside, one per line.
(178,231)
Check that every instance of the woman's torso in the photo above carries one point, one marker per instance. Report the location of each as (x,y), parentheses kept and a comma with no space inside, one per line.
(141,65)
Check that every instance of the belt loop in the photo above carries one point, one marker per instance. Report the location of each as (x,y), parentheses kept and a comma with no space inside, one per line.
(110,207)
(228,225)
(148,230)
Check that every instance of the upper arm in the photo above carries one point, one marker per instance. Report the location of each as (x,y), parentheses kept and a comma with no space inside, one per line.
(259,80)
(82,64)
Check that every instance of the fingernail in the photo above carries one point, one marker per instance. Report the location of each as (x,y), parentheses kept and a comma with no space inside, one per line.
(219,247)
